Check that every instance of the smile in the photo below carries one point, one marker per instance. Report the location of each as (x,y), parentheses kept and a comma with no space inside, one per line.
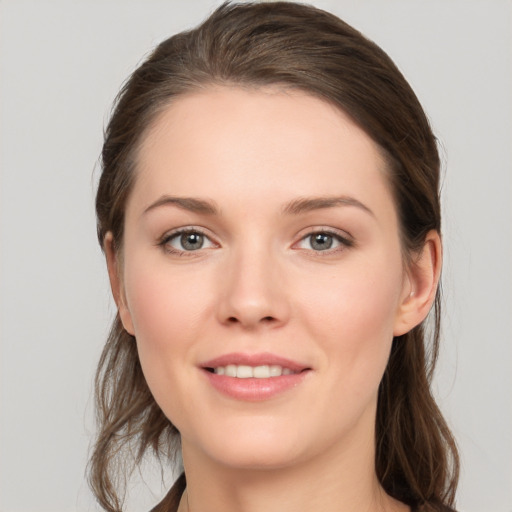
(254,377)
(249,372)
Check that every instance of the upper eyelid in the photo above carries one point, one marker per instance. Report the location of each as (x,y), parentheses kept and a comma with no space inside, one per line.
(185,229)
(165,241)
(342,235)
(343,238)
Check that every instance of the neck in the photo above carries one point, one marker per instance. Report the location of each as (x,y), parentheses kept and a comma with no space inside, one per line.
(339,480)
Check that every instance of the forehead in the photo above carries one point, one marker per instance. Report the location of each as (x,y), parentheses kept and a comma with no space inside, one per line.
(256,144)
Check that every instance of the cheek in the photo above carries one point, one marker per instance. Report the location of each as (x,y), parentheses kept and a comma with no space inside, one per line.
(167,310)
(162,303)
(168,313)
(358,298)
(352,314)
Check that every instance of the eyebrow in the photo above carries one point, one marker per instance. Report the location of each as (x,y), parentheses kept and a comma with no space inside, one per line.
(190,204)
(308,204)
(295,207)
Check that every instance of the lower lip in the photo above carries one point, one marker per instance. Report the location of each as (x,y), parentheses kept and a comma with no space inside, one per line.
(252,389)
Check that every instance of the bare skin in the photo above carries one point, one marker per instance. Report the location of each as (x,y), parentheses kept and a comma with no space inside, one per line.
(261,226)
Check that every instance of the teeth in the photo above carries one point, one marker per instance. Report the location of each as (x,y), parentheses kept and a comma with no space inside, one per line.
(261,372)
(230,370)
(246,372)
(275,371)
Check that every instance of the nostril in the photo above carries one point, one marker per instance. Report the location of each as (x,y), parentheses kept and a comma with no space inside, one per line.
(265,319)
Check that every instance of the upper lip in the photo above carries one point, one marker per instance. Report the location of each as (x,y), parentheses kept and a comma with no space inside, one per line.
(261,359)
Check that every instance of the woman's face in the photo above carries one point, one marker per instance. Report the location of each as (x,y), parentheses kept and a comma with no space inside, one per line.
(261,240)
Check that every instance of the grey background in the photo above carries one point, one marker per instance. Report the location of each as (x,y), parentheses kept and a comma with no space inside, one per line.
(61,64)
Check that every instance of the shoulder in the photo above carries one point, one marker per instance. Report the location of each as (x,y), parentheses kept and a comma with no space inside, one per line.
(172,499)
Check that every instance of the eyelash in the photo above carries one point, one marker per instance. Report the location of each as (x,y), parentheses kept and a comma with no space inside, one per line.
(169,237)
(344,242)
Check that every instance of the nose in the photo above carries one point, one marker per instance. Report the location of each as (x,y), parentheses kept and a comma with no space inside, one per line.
(253,291)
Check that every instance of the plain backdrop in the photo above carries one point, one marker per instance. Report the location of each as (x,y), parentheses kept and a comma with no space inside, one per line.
(61,64)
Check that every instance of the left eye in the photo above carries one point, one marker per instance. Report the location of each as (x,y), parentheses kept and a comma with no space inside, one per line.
(322,241)
(188,241)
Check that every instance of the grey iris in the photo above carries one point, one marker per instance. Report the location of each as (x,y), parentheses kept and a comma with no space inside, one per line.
(321,241)
(191,241)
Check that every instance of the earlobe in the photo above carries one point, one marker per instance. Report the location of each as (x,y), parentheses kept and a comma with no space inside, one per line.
(421,285)
(116,284)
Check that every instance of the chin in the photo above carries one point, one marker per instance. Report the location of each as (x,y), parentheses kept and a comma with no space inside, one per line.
(250,445)
(258,456)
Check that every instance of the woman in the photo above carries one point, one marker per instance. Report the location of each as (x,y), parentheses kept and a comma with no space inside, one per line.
(269,211)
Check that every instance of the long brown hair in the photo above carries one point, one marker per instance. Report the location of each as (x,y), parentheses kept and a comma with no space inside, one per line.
(298,47)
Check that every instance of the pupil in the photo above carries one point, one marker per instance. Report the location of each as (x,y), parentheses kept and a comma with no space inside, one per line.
(321,242)
(191,241)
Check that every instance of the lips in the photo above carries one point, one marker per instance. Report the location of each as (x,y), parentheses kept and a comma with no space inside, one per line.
(258,372)
(254,360)
(254,377)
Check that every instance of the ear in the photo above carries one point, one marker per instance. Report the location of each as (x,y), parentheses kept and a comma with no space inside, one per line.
(420,285)
(116,282)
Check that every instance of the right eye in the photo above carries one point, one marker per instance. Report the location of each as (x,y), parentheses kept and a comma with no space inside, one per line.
(186,240)
(325,241)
